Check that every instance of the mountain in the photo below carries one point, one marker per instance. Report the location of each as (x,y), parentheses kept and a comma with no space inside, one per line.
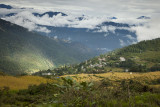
(141,57)
(103,37)
(24,51)
(10,14)
(50,14)
(113,18)
(99,38)
(143,17)
(5,6)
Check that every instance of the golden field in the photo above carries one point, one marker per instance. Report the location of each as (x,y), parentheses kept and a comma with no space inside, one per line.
(116,76)
(22,82)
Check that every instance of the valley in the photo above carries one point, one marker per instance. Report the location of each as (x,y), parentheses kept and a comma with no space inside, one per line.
(125,77)
(23,51)
(91,53)
(141,57)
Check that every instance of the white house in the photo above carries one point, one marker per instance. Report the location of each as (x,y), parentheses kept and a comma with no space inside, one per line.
(46,73)
(122,59)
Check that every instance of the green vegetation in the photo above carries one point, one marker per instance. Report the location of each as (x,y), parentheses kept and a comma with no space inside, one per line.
(141,57)
(69,92)
(24,51)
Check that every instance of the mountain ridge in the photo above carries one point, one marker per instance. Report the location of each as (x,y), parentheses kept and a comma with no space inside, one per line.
(22,50)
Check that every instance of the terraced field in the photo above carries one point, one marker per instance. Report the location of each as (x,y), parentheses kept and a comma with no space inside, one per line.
(116,75)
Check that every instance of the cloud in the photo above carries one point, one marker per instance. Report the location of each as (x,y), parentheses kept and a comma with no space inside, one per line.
(23,19)
(148,31)
(132,40)
(88,22)
(96,12)
(122,43)
(130,37)
(131,21)
(118,8)
(4,11)
(42,29)
(28,20)
(106,29)
(145,29)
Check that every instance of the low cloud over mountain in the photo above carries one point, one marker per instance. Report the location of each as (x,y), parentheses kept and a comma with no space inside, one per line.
(40,20)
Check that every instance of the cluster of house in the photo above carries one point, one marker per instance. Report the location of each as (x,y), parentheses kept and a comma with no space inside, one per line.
(101,62)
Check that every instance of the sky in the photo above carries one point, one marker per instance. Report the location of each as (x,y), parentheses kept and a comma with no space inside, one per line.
(119,8)
(96,12)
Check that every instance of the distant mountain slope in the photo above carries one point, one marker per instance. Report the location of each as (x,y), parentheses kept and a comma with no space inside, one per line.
(50,14)
(143,17)
(102,35)
(95,39)
(141,57)
(21,50)
(5,6)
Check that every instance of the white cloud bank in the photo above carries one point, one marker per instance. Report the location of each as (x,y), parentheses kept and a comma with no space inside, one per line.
(26,20)
(126,11)
(118,8)
(149,31)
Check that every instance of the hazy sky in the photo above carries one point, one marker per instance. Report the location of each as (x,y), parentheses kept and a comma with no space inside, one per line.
(119,8)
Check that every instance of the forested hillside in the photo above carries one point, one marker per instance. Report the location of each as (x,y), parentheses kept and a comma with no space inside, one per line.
(141,57)
(24,51)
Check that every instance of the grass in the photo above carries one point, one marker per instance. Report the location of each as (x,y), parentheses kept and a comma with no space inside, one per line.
(90,90)
(22,82)
(149,57)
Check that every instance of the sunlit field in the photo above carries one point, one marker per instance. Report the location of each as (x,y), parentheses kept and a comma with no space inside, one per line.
(116,75)
(22,82)
(111,89)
